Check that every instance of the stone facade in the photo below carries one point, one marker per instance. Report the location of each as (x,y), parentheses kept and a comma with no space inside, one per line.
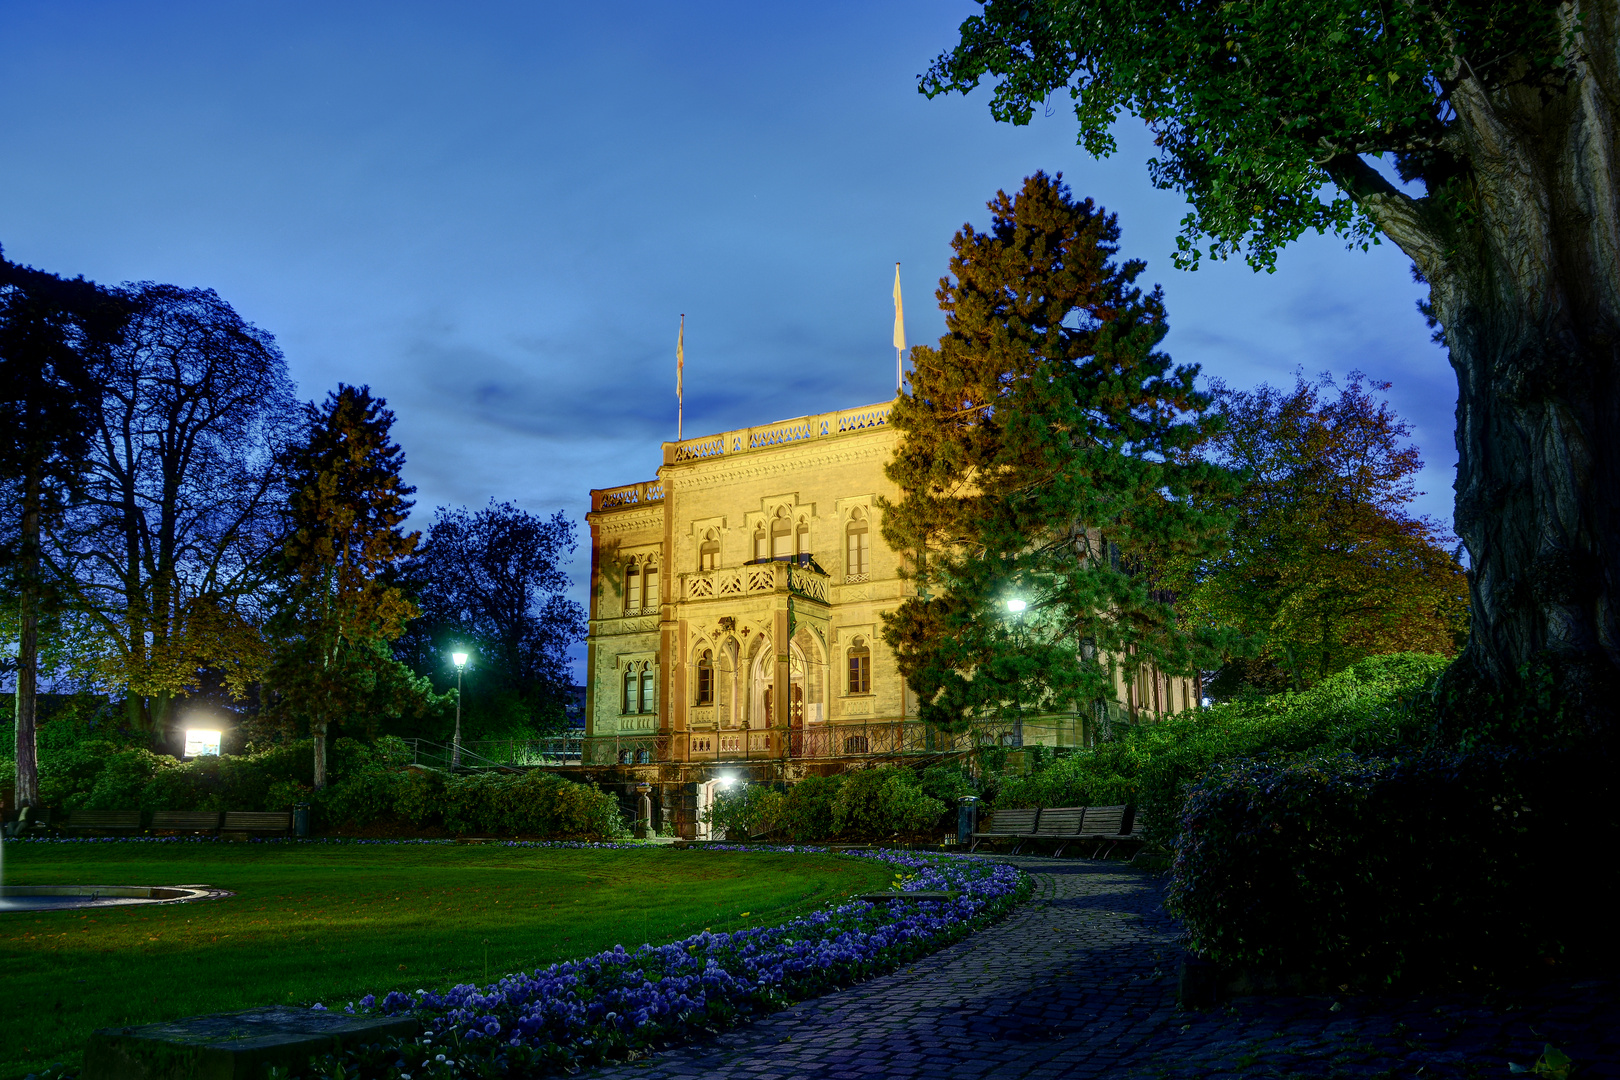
(752,563)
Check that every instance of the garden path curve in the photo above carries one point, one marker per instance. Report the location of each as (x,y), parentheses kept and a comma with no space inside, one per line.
(1081,981)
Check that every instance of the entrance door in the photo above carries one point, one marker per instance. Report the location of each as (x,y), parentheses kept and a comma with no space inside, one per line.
(705,802)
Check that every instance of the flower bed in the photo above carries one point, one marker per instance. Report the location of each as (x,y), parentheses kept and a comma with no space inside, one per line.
(622,1005)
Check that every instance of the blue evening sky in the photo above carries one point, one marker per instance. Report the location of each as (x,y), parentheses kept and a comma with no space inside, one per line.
(494,213)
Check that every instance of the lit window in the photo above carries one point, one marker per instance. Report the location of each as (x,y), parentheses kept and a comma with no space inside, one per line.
(781,536)
(649,586)
(860,668)
(632,588)
(705,678)
(858,546)
(709,551)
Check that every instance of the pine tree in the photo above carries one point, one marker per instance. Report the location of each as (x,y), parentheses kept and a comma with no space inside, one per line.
(1045,456)
(341,606)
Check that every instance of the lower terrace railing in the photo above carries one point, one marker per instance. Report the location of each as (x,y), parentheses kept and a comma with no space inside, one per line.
(888,738)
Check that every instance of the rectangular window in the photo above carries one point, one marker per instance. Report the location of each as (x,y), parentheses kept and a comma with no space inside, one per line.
(760,550)
(649,686)
(650,588)
(860,550)
(860,674)
(632,589)
(781,544)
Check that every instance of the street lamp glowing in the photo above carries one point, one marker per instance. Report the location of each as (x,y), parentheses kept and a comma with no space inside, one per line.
(459,659)
(1016,606)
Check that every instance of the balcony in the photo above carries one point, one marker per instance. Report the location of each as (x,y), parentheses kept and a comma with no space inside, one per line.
(796,574)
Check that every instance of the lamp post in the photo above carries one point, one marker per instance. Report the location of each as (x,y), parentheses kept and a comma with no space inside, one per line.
(1016,607)
(460,660)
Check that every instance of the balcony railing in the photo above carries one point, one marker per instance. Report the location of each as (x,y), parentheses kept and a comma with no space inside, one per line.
(648,491)
(807,580)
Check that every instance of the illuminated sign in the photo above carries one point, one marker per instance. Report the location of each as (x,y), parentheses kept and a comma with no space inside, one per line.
(200,743)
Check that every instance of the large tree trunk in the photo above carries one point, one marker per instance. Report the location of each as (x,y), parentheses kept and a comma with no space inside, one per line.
(318,730)
(1524,273)
(27,782)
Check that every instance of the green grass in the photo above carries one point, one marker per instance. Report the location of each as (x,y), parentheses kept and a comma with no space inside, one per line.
(331,923)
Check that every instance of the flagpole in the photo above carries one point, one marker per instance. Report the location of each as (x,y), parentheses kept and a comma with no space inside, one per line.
(680,369)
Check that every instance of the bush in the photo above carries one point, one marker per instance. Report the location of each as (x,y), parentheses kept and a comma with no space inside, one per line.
(883,802)
(1375,706)
(807,810)
(743,812)
(1345,868)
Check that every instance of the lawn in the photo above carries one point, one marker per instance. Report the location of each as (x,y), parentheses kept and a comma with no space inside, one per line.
(329,923)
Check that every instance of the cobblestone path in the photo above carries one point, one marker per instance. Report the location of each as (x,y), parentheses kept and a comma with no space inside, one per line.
(1081,981)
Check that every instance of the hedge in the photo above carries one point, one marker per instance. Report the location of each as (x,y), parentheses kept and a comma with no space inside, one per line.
(1350,869)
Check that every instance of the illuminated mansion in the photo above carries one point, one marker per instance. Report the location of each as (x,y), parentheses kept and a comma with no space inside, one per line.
(736,603)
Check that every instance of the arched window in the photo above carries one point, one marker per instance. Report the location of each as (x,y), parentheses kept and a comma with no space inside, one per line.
(632,588)
(649,689)
(630,685)
(781,535)
(705,678)
(801,540)
(857,547)
(709,551)
(649,586)
(768,690)
(860,668)
(762,548)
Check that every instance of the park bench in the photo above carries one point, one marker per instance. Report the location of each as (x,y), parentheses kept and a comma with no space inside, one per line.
(192,821)
(255,821)
(103,821)
(30,819)
(1060,824)
(1006,825)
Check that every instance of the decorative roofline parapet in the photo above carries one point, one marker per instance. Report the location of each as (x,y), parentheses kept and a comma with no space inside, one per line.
(628,495)
(781,433)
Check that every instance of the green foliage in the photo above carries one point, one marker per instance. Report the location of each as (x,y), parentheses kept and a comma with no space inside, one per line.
(1375,707)
(1045,455)
(1325,564)
(1259,108)
(884,802)
(743,812)
(1373,871)
(807,810)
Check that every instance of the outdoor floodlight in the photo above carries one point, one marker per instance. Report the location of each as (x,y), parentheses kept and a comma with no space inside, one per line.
(1016,606)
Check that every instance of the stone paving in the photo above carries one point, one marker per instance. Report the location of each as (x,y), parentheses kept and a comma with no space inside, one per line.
(1081,981)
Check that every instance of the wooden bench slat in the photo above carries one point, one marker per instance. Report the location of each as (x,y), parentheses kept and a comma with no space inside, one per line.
(1060,821)
(103,819)
(192,820)
(1104,821)
(257,821)
(1009,823)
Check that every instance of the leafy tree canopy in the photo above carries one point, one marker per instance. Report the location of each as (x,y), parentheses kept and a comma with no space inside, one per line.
(1044,456)
(1326,564)
(492,581)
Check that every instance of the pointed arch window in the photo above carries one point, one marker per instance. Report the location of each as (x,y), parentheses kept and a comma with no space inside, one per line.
(649,689)
(860,667)
(801,541)
(705,678)
(857,547)
(709,551)
(762,548)
(631,687)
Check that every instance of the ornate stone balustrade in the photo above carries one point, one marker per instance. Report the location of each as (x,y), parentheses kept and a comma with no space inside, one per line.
(648,491)
(782,433)
(762,578)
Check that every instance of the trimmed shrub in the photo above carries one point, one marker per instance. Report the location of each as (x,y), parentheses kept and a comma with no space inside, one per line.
(1374,707)
(1348,869)
(741,812)
(807,811)
(883,802)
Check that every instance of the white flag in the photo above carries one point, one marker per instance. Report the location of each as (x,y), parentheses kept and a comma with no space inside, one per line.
(899,312)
